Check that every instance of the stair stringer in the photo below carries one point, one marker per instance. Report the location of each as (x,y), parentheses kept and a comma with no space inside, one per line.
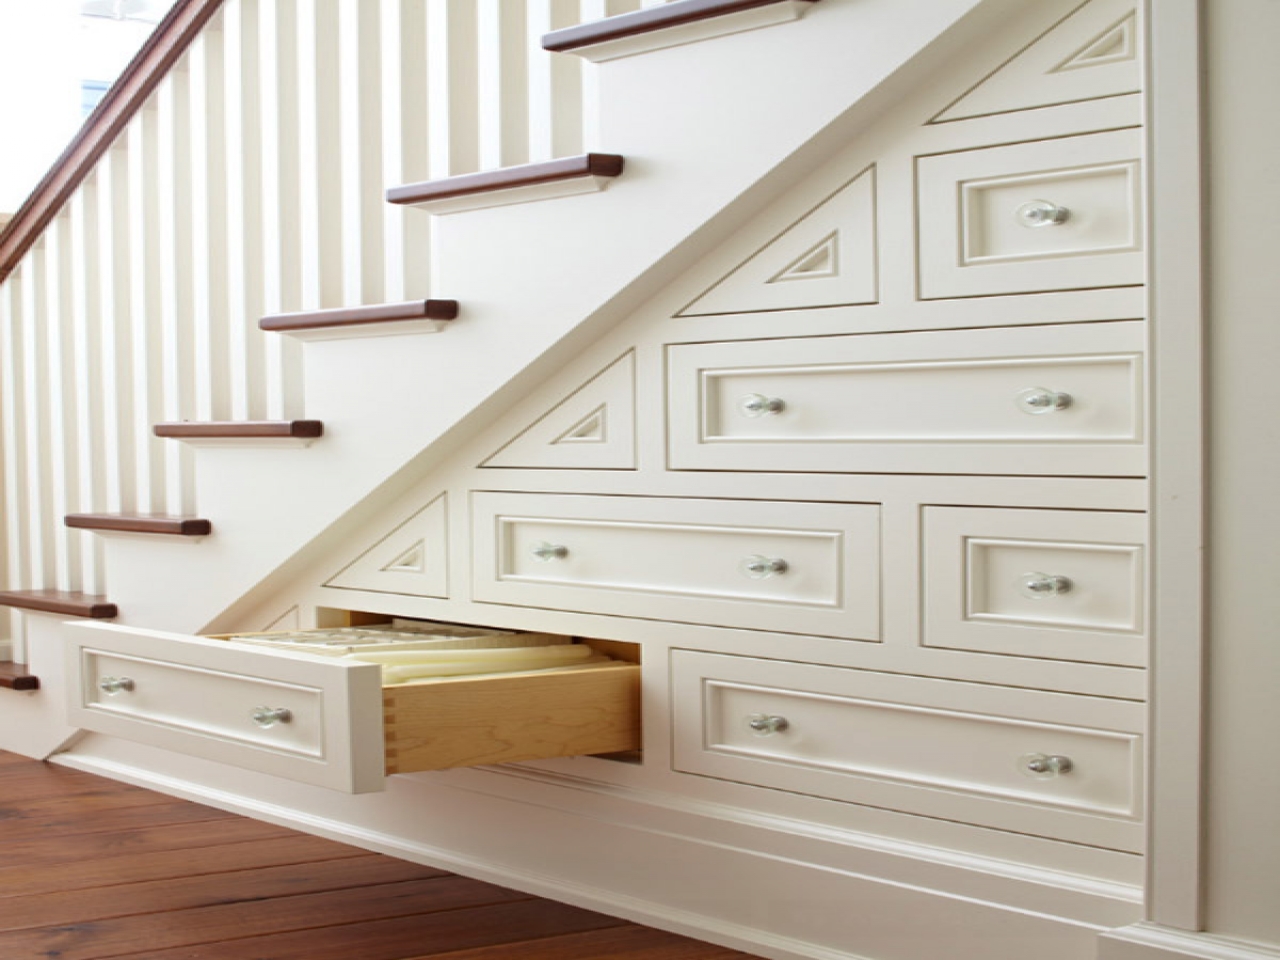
(395,405)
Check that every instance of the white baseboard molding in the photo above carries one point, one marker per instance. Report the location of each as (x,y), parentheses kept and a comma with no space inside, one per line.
(1148,941)
(748,900)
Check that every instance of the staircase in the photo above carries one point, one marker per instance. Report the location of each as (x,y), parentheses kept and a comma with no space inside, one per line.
(168,334)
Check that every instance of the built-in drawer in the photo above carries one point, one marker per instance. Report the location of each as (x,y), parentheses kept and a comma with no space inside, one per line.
(1061,584)
(791,567)
(1058,214)
(329,721)
(1049,764)
(1050,400)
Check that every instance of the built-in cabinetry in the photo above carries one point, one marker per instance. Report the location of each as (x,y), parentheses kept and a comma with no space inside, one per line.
(867,485)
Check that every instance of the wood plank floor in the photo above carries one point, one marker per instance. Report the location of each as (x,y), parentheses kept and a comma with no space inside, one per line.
(91,869)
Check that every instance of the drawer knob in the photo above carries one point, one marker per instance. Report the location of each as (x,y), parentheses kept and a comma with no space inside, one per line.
(758,405)
(1041,213)
(761,568)
(766,725)
(1038,586)
(1038,400)
(549,551)
(112,686)
(270,716)
(1044,766)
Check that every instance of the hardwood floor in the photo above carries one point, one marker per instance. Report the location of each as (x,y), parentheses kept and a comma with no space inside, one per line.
(92,869)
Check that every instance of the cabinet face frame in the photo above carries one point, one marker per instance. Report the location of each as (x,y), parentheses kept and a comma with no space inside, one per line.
(1176,290)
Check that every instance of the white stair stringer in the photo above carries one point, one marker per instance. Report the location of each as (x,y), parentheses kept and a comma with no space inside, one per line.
(536,281)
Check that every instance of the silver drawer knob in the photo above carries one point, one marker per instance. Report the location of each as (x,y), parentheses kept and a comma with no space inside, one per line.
(549,551)
(1043,766)
(112,686)
(766,725)
(1039,586)
(1041,213)
(758,405)
(761,568)
(270,716)
(1038,400)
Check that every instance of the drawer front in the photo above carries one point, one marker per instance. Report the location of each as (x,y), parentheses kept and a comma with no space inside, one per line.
(1063,400)
(1050,764)
(200,697)
(789,567)
(1060,584)
(1057,214)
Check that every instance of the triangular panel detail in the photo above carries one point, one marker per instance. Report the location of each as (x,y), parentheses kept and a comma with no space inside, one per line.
(410,560)
(593,428)
(822,260)
(1090,54)
(1117,44)
(832,247)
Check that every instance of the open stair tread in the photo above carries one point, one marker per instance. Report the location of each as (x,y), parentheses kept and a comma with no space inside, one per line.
(623,26)
(589,165)
(412,310)
(14,676)
(140,523)
(65,602)
(213,429)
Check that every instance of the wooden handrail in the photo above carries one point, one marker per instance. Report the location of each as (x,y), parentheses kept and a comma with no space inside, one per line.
(169,41)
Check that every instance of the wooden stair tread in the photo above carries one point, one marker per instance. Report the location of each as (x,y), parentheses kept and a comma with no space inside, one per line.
(648,20)
(508,178)
(65,602)
(303,429)
(354,316)
(140,523)
(14,676)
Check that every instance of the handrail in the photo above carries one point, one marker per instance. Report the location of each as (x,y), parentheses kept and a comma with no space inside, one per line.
(125,97)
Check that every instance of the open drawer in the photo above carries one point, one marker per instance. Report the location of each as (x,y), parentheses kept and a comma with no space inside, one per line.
(330,721)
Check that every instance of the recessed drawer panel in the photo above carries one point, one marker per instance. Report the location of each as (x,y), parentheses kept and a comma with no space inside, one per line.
(1057,214)
(1060,400)
(790,567)
(1052,764)
(1061,584)
(329,721)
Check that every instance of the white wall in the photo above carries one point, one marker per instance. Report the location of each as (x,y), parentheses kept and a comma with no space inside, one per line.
(1244,660)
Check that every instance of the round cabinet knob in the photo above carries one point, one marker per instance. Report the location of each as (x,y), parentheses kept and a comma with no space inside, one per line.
(1044,766)
(766,725)
(115,685)
(549,551)
(761,568)
(270,716)
(1038,400)
(1041,213)
(758,405)
(1039,586)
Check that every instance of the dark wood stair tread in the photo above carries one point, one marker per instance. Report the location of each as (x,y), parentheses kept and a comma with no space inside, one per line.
(63,602)
(355,316)
(674,14)
(198,429)
(140,523)
(14,676)
(508,178)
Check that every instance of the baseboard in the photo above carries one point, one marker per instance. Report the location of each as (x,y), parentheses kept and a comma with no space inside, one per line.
(1148,941)
(757,902)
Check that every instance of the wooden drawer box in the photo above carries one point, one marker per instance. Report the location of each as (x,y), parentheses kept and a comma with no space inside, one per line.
(942,748)
(330,721)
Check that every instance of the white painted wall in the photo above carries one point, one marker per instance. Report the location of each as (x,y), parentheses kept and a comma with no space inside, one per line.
(1244,338)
